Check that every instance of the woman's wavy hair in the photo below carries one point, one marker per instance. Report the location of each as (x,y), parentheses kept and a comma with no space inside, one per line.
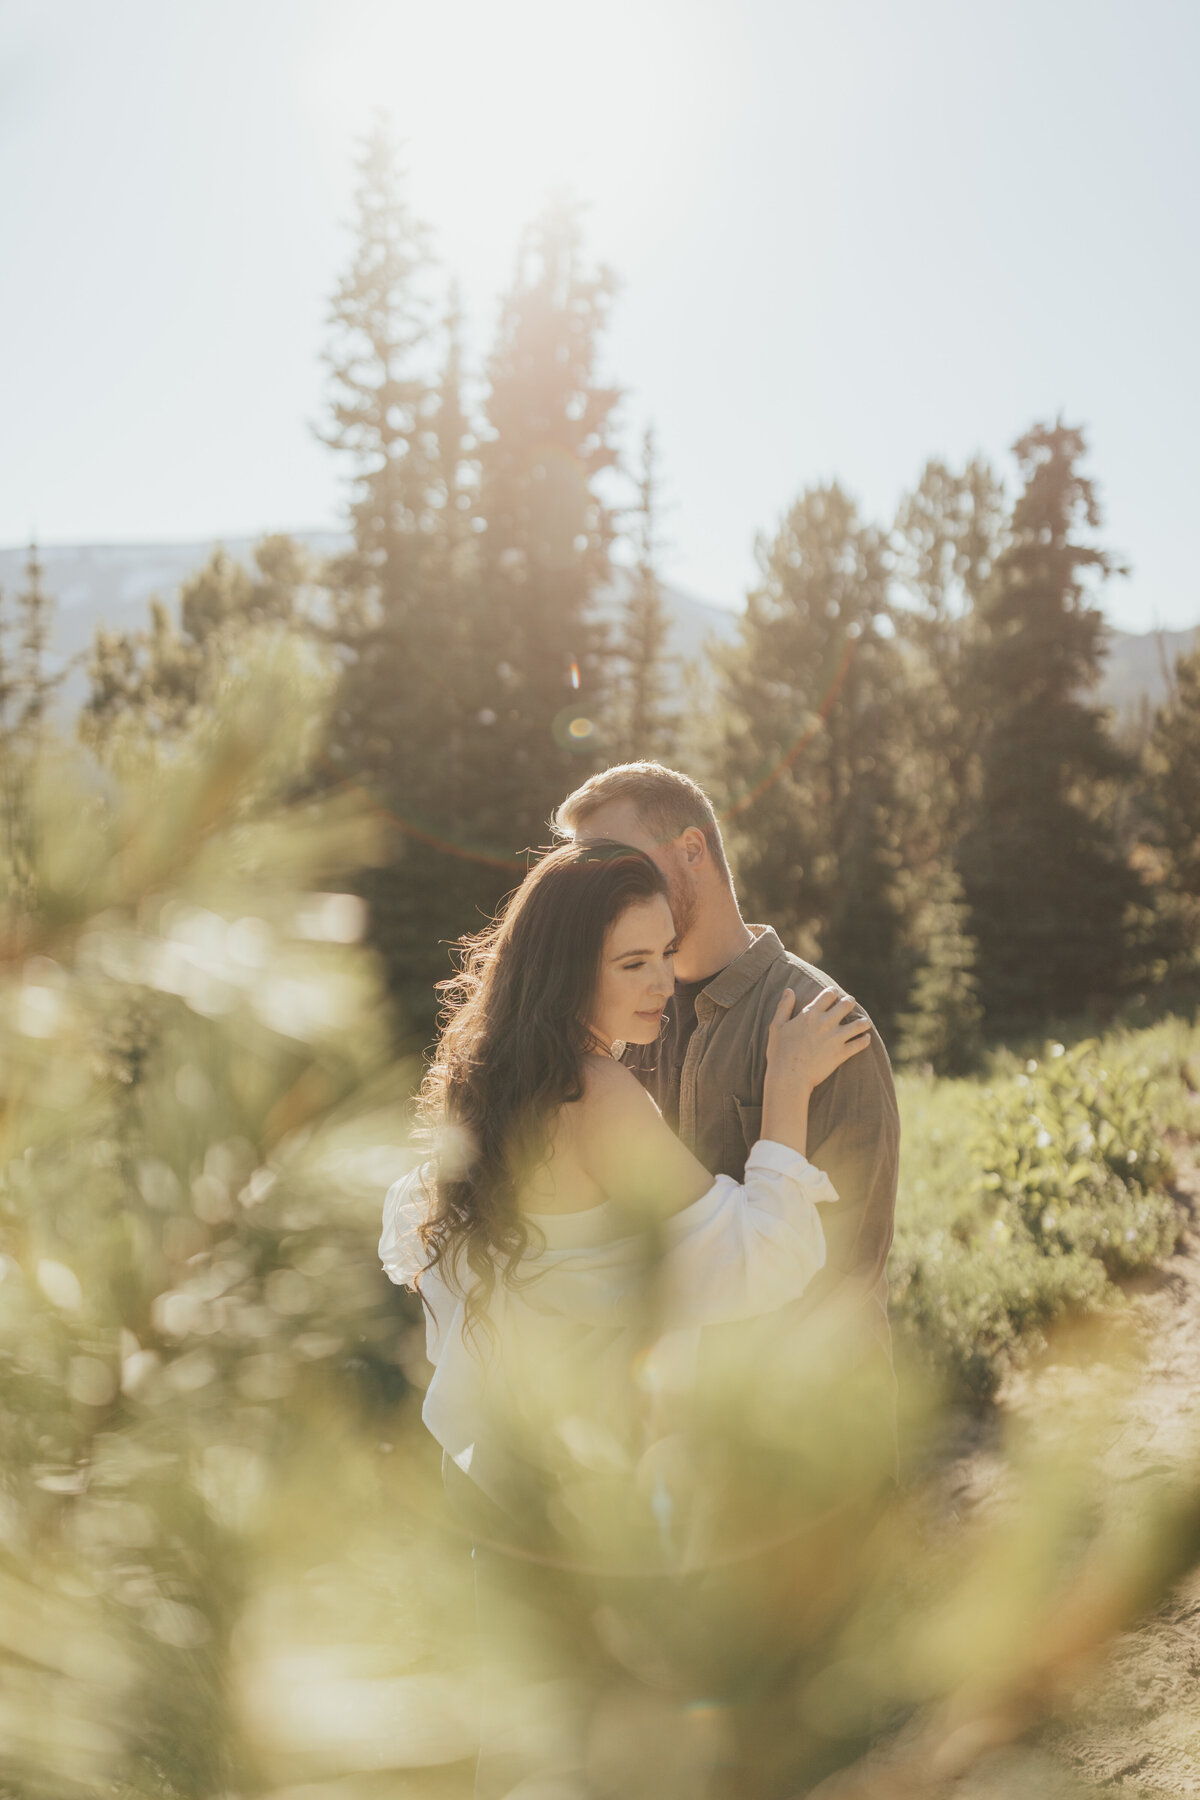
(514,1028)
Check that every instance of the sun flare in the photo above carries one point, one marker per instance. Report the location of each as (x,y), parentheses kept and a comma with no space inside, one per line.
(537,90)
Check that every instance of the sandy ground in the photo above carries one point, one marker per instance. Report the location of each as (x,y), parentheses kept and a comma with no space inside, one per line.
(1137,1732)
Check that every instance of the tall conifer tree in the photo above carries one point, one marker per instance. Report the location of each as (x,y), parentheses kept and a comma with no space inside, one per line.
(1043,875)
(809,744)
(27,686)
(8,674)
(940,1025)
(407,593)
(33,682)
(949,531)
(548,530)
(9,763)
(1173,770)
(469,632)
(454,446)
(646,720)
(381,394)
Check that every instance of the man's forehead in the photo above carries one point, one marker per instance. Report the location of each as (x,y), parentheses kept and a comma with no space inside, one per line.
(617,819)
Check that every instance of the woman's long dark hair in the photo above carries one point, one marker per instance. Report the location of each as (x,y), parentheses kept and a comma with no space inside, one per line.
(514,1031)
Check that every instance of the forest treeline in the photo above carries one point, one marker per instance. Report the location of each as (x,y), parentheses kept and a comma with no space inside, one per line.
(916,784)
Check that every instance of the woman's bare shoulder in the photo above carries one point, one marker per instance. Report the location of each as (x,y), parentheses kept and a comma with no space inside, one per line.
(628,1149)
(613,1099)
(608,1083)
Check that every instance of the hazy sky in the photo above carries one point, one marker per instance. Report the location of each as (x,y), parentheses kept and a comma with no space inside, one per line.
(850,234)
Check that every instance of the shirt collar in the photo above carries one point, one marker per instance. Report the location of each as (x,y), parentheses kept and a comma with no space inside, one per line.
(746,970)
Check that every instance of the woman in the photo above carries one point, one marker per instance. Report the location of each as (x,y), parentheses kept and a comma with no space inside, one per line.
(568,1248)
(559,1213)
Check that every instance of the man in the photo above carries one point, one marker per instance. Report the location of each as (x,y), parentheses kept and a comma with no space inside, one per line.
(707,1071)
(791,1416)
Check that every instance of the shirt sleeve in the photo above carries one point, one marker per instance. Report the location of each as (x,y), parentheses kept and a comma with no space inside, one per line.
(400,1248)
(854,1132)
(404,1258)
(740,1251)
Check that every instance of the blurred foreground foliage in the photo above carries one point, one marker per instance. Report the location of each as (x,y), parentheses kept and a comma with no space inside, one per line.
(198,1119)
(226,1564)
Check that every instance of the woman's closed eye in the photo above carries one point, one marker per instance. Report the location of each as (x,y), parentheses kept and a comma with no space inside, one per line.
(668,954)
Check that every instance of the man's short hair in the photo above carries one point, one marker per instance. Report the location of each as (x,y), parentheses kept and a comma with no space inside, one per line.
(665,801)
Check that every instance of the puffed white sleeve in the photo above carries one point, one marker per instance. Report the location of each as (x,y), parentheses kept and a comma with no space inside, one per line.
(740,1251)
(404,1257)
(400,1248)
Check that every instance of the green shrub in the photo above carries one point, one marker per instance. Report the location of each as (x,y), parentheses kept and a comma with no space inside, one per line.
(1073,1149)
(1025,1199)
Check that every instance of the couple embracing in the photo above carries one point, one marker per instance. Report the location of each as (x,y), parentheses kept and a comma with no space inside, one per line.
(653,1134)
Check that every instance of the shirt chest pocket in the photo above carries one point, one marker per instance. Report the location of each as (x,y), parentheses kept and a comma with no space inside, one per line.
(742,1130)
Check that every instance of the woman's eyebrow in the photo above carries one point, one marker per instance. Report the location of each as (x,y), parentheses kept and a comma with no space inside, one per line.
(622,954)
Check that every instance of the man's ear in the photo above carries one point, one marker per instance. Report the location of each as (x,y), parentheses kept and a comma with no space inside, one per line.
(694,845)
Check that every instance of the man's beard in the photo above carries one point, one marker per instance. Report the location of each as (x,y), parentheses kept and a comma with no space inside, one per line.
(684,907)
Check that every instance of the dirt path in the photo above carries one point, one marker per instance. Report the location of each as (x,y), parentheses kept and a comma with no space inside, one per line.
(1138,1731)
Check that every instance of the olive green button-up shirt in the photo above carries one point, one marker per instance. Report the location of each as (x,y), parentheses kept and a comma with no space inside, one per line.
(853,1122)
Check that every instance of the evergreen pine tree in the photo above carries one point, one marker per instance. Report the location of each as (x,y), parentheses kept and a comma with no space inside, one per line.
(153,678)
(477,650)
(482,685)
(947,536)
(1040,865)
(808,753)
(27,686)
(280,582)
(863,936)
(116,680)
(646,722)
(33,684)
(508,656)
(410,726)
(8,677)
(1173,771)
(215,594)
(10,772)
(948,533)
(381,395)
(942,1020)
(454,447)
(548,532)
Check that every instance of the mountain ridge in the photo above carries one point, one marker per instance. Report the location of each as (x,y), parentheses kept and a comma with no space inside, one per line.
(111,585)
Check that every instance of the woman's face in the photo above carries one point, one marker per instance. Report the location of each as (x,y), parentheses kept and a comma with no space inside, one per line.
(636,973)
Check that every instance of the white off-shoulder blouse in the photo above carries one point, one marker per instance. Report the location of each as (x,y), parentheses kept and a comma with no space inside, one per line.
(576,1317)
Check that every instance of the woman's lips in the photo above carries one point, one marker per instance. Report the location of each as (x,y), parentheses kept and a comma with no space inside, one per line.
(652,1018)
